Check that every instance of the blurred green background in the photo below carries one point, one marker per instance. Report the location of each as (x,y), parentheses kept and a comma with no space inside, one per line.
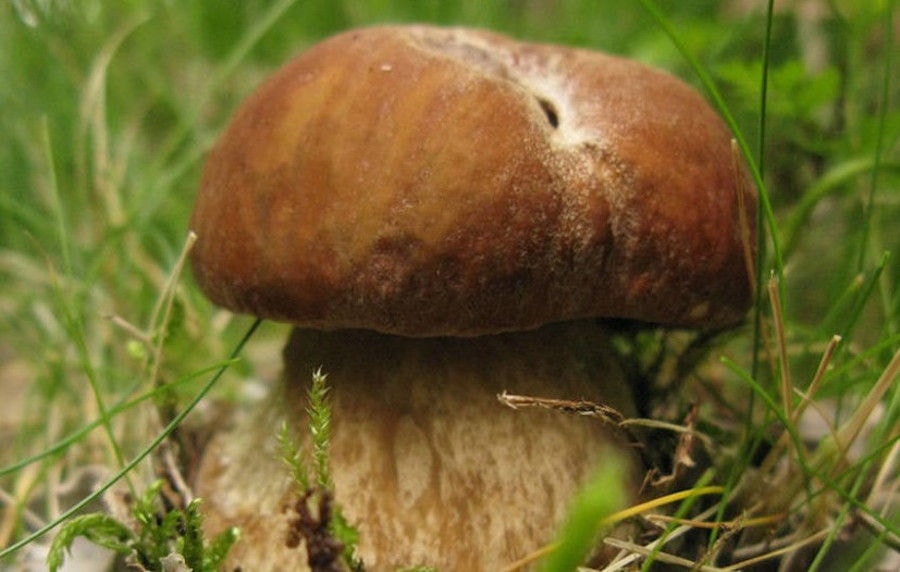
(108,107)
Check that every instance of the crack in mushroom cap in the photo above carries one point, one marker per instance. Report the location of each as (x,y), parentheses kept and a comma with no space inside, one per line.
(448,181)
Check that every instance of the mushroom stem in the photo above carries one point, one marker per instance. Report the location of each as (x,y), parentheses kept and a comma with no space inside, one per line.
(427,463)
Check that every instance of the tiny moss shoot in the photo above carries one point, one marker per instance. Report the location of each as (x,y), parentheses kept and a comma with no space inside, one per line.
(314,485)
(160,536)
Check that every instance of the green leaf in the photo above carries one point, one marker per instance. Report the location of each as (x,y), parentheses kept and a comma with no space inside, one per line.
(218,549)
(603,495)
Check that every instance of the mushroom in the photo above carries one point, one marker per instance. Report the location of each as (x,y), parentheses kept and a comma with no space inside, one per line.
(445,214)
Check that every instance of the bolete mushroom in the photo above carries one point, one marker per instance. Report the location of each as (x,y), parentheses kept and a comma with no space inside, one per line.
(444,214)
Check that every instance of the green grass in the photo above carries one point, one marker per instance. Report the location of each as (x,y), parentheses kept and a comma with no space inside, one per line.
(106,350)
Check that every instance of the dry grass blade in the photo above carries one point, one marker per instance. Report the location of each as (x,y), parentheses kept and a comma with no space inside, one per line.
(806,400)
(786,385)
(629,558)
(586,408)
(25,483)
(666,426)
(659,556)
(736,524)
(622,515)
(162,311)
(787,549)
(743,220)
(879,530)
(848,433)
(885,494)
(817,378)
(94,132)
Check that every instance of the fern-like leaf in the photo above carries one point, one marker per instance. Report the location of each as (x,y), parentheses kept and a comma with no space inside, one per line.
(100,529)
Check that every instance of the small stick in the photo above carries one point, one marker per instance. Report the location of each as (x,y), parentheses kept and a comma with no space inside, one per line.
(583,407)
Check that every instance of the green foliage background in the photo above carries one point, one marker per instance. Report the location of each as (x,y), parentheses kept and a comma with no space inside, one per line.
(107,109)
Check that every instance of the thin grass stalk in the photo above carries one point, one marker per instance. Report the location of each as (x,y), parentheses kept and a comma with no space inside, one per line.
(885,96)
(73,322)
(143,454)
(785,384)
(818,377)
(162,310)
(790,548)
(765,212)
(691,497)
(835,529)
(218,77)
(123,405)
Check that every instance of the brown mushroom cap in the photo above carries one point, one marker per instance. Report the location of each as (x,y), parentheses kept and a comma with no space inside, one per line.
(427,181)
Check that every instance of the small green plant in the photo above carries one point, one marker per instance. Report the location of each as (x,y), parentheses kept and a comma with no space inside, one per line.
(330,540)
(600,498)
(160,540)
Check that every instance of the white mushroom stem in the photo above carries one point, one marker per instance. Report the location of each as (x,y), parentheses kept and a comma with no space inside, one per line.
(426,462)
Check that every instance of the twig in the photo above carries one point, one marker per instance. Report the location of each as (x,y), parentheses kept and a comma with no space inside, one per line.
(583,407)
